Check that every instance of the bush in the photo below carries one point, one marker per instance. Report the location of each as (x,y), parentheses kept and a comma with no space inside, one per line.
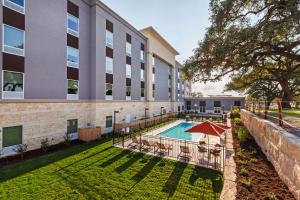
(244,172)
(271,196)
(21,149)
(45,145)
(246,182)
(237,120)
(243,134)
(235,112)
(67,139)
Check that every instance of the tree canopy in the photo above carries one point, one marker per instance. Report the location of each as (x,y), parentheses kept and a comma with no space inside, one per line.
(246,36)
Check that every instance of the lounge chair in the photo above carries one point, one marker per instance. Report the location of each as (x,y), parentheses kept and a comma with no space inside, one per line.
(135,142)
(147,145)
(185,153)
(162,148)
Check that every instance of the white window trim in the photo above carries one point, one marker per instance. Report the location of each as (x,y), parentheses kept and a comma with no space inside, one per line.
(3,92)
(72,96)
(108,44)
(3,45)
(128,53)
(10,2)
(108,97)
(71,31)
(106,71)
(142,75)
(128,75)
(142,55)
(72,64)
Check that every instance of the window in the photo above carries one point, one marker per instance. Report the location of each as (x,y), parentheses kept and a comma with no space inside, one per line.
(128,71)
(72,126)
(13,85)
(109,39)
(202,109)
(202,106)
(128,48)
(17,5)
(128,91)
(142,92)
(13,40)
(237,103)
(72,57)
(109,122)
(142,55)
(217,110)
(178,108)
(153,90)
(153,61)
(188,105)
(109,65)
(142,74)
(73,27)
(12,136)
(108,89)
(72,90)
(153,78)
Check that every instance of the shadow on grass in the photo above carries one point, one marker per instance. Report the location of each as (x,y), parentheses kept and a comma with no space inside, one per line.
(134,158)
(146,169)
(174,179)
(18,169)
(115,158)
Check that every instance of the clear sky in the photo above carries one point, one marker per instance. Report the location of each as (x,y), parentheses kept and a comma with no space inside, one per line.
(181,22)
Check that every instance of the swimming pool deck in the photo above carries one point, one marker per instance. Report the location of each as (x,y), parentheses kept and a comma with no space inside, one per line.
(204,159)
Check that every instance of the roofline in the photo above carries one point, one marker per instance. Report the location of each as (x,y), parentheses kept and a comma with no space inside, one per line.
(150,28)
(116,16)
(214,97)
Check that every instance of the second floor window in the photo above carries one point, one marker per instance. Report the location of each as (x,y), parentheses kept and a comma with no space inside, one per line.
(72,55)
(109,65)
(73,23)
(128,71)
(109,39)
(14,40)
(12,81)
(72,87)
(108,89)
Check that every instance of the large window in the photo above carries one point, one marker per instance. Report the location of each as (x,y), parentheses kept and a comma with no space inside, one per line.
(72,90)
(128,48)
(217,107)
(109,39)
(108,90)
(72,126)
(12,136)
(128,71)
(73,25)
(109,65)
(109,122)
(188,105)
(72,57)
(13,85)
(13,40)
(17,5)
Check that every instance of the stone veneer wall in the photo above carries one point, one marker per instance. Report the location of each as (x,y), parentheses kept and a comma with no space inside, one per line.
(42,120)
(281,148)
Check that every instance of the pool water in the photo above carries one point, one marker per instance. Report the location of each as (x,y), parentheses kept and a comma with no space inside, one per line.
(178,132)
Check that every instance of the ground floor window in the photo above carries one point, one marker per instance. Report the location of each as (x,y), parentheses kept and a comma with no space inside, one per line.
(237,103)
(109,121)
(72,126)
(178,108)
(72,87)
(12,136)
(202,109)
(217,110)
(142,92)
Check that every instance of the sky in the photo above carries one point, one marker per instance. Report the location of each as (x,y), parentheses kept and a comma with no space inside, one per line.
(182,23)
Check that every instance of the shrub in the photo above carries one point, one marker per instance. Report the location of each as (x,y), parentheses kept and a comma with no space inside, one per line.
(246,182)
(240,153)
(21,149)
(67,139)
(243,134)
(242,162)
(45,145)
(271,196)
(244,172)
(235,112)
(253,160)
(252,150)
(237,120)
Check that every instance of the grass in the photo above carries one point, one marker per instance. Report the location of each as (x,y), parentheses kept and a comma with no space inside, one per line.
(290,115)
(99,171)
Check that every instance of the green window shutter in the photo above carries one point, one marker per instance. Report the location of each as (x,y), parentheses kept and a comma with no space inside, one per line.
(12,136)
(108,121)
(72,126)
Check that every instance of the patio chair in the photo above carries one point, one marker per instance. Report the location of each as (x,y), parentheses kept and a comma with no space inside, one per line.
(185,153)
(162,148)
(202,143)
(146,145)
(135,142)
(216,154)
(202,150)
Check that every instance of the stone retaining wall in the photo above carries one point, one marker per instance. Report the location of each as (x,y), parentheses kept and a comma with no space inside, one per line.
(281,148)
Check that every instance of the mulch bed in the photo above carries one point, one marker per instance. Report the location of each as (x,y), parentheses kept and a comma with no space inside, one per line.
(35,153)
(253,165)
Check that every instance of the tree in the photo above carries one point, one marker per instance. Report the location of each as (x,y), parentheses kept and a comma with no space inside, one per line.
(197,94)
(246,35)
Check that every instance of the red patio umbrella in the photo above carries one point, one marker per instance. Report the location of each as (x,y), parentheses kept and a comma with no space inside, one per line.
(208,128)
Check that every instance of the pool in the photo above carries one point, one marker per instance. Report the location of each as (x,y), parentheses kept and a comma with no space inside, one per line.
(178,132)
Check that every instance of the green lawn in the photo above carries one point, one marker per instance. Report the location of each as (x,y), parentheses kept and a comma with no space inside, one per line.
(99,171)
(290,115)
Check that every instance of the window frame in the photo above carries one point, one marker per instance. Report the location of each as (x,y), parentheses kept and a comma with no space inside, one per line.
(76,123)
(22,9)
(217,110)
(106,122)
(71,63)
(112,63)
(73,32)
(129,91)
(128,69)
(142,74)
(6,92)
(107,32)
(72,96)
(108,97)
(142,55)
(11,148)
(128,47)
(7,46)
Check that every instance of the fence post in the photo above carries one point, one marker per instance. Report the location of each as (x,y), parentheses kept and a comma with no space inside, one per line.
(279,102)
(253,106)
(266,111)
(258,107)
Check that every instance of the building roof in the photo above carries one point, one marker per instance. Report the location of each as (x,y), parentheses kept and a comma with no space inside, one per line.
(162,39)
(217,97)
(208,128)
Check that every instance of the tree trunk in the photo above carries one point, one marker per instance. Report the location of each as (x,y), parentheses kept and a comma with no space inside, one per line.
(287,94)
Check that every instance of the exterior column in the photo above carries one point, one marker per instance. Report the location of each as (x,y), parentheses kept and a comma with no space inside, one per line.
(149,77)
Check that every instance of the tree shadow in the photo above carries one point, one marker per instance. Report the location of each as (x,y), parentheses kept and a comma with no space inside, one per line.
(146,169)
(17,169)
(174,179)
(115,158)
(134,158)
